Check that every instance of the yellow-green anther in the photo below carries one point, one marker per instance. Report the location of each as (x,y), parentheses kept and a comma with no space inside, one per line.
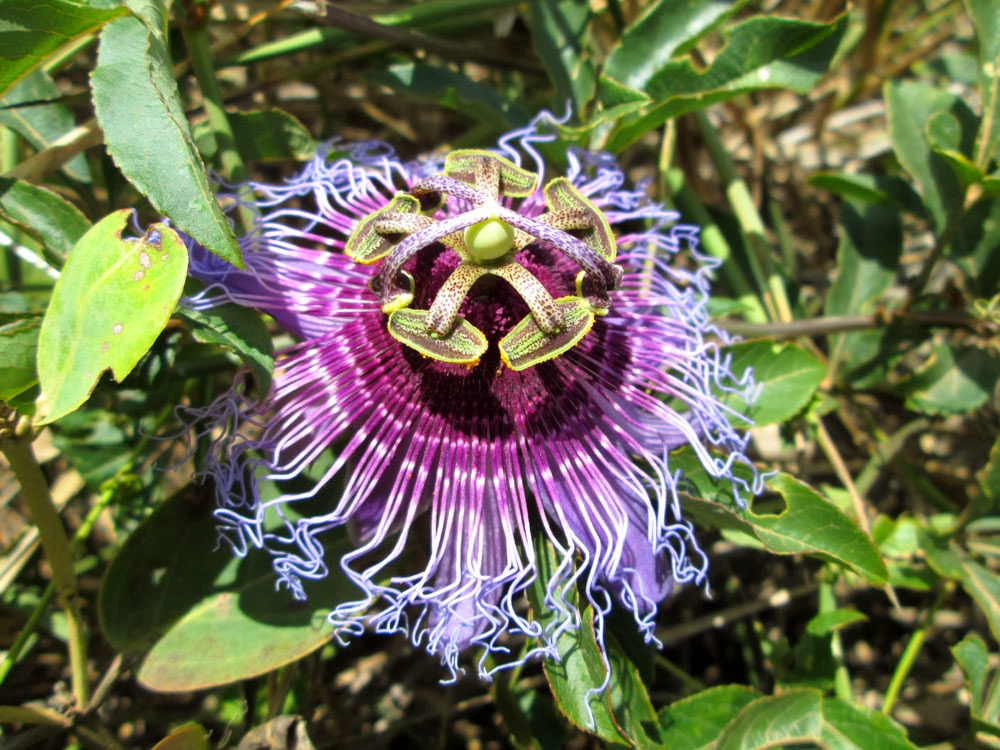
(378,233)
(489,240)
(490,174)
(464,345)
(571,211)
(527,345)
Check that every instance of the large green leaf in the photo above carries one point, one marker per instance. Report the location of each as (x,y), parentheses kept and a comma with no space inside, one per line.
(871,240)
(59,225)
(147,133)
(786,374)
(665,27)
(954,380)
(807,717)
(695,722)
(579,680)
(165,568)
(32,31)
(985,16)
(559,35)
(763,52)
(32,109)
(204,616)
(110,303)
(911,105)
(809,523)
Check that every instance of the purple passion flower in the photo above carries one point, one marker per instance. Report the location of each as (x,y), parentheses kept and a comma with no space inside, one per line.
(483,358)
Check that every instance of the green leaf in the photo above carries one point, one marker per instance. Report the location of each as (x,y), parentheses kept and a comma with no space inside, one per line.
(56,223)
(451,89)
(973,248)
(989,479)
(110,303)
(954,380)
(911,105)
(695,723)
(985,15)
(150,137)
(240,330)
(871,241)
(188,737)
(786,374)
(984,587)
(31,715)
(33,31)
(857,187)
(18,346)
(32,109)
(664,28)
(266,135)
(577,678)
(827,622)
(809,524)
(806,717)
(764,52)
(559,36)
(207,617)
(974,659)
(165,567)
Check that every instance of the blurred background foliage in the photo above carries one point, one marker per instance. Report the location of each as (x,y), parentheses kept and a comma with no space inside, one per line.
(842,162)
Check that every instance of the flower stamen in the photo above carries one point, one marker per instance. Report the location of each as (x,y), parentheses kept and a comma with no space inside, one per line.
(486,238)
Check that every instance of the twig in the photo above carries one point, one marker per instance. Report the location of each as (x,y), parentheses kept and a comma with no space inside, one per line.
(717,620)
(15,443)
(913,646)
(834,324)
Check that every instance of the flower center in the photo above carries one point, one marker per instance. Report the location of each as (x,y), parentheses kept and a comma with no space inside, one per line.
(487,238)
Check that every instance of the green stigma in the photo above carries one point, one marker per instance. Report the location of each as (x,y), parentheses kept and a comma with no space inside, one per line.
(489,240)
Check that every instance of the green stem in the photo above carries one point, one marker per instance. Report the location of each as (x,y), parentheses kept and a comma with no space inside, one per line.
(16,650)
(912,650)
(769,281)
(229,157)
(841,677)
(714,243)
(35,493)
(691,684)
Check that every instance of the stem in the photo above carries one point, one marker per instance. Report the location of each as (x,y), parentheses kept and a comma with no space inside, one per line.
(228,152)
(691,684)
(768,279)
(832,324)
(16,446)
(82,534)
(912,650)
(714,243)
(841,677)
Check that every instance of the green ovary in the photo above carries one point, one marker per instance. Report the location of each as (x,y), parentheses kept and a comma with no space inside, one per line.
(489,239)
